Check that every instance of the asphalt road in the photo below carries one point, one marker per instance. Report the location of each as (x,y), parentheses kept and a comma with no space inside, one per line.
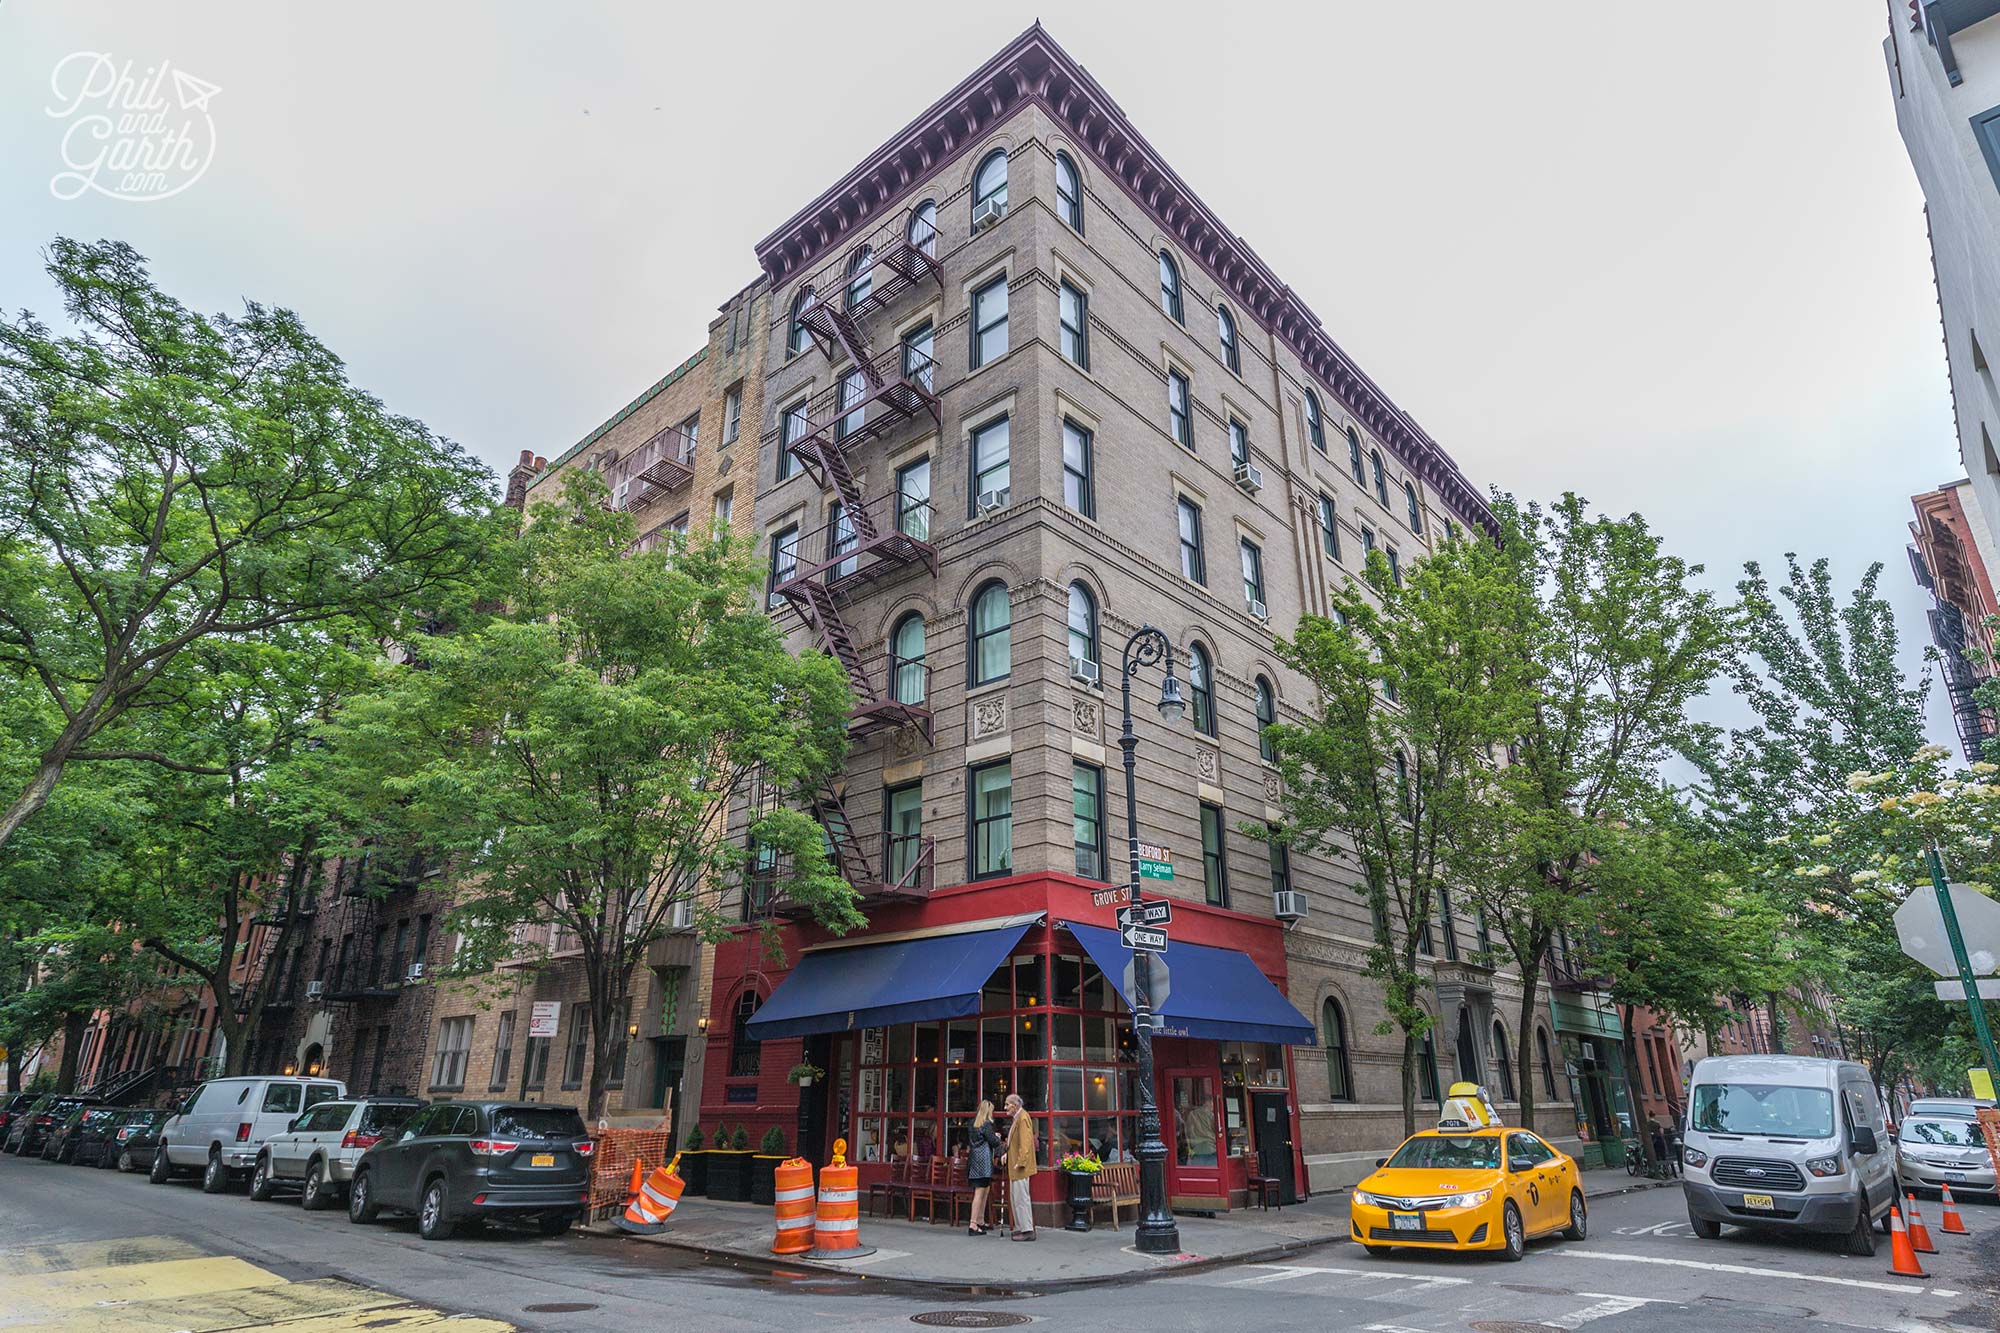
(204,1263)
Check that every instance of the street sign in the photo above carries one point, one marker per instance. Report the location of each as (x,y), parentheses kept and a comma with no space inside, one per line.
(1109,897)
(1160,979)
(1920,929)
(544,1017)
(1155,862)
(1143,939)
(1156,912)
(1953,991)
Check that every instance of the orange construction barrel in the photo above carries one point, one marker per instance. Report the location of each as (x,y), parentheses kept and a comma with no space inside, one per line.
(794,1207)
(655,1202)
(837,1231)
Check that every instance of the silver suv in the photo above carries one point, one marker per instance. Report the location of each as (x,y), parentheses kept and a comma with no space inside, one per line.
(318,1150)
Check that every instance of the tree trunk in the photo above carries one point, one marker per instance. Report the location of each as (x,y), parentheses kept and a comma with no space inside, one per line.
(72,1028)
(13,1070)
(33,796)
(1777,1023)
(1524,1039)
(1409,1083)
(1640,1124)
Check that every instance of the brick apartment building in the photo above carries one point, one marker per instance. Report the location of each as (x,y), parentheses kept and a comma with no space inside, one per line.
(1953,554)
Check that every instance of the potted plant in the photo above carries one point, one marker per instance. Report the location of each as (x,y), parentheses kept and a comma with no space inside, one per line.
(804,1072)
(729,1167)
(694,1162)
(764,1166)
(1079,1173)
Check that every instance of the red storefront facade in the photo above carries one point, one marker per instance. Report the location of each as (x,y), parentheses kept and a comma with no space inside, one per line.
(1048,1024)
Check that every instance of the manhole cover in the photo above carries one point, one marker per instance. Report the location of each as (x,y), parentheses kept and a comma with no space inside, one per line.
(1514,1326)
(969,1319)
(559,1307)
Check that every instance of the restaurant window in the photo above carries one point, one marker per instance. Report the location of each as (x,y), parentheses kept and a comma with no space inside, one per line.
(1193,566)
(1079,486)
(1180,412)
(1214,866)
(908,678)
(903,818)
(503,1052)
(745,1052)
(1202,688)
(991,657)
(989,322)
(1074,315)
(991,793)
(579,1046)
(1339,1074)
(1087,818)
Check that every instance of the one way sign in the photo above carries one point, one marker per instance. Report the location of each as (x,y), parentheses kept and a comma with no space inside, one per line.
(1157,912)
(1143,939)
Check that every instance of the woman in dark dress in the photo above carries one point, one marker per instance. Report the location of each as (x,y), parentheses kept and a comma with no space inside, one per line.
(983,1145)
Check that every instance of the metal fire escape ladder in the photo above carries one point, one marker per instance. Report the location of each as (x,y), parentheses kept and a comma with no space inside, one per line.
(849,856)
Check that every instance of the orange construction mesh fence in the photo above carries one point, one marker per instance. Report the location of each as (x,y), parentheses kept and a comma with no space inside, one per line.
(611,1164)
(1989,1125)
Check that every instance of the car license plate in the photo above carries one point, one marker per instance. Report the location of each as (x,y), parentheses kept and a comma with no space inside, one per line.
(1758,1201)
(1958,1176)
(1406,1221)
(549,1159)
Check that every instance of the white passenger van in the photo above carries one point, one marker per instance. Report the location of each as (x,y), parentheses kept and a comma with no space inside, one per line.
(1787,1142)
(222,1125)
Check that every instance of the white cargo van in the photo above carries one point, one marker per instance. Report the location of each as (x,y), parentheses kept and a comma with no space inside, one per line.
(1787,1142)
(223,1124)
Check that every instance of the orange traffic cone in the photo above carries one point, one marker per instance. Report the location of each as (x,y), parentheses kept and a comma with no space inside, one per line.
(1902,1258)
(1920,1235)
(638,1179)
(1952,1225)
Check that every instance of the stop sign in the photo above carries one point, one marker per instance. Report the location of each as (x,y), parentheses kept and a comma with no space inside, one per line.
(1920,929)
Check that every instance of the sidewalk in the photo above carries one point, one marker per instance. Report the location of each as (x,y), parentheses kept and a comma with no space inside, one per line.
(943,1256)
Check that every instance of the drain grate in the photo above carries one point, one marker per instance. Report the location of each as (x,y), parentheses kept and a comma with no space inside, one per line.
(560,1307)
(969,1319)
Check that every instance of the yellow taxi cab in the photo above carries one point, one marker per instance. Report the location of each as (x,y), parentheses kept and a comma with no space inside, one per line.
(1470,1184)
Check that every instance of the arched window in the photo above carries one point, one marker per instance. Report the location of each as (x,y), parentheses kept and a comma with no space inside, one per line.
(1226,332)
(1354,455)
(798,339)
(1548,1064)
(745,1052)
(860,275)
(908,679)
(1315,424)
(989,183)
(1170,287)
(1503,1069)
(923,227)
(1339,1075)
(1082,626)
(991,656)
(1201,685)
(1381,477)
(1267,717)
(1416,510)
(1069,192)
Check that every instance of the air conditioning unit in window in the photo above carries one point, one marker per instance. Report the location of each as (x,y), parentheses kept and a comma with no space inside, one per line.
(1084,671)
(1249,477)
(415,973)
(1258,609)
(987,214)
(992,500)
(1290,904)
(314,989)
(1589,1049)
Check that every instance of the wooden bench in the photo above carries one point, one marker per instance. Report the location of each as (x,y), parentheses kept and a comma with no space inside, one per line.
(1118,1186)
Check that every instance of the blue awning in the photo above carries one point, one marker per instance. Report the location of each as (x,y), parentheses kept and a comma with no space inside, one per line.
(1213,993)
(846,988)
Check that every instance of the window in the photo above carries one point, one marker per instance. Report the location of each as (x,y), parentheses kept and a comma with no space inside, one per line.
(1416,510)
(791,429)
(919,368)
(1381,477)
(1074,313)
(1548,1064)
(913,499)
(1082,626)
(784,558)
(991,473)
(1170,287)
(1201,687)
(991,654)
(1266,705)
(989,183)
(1239,442)
(903,821)
(1447,919)
(1086,787)
(760,877)
(503,1052)
(745,1051)
(1214,868)
(923,227)
(1078,490)
(841,539)
(1193,567)
(578,1055)
(1180,414)
(1480,930)
(1339,1075)
(1281,863)
(989,322)
(1395,567)
(454,1041)
(798,339)
(1403,783)
(1354,454)
(535,1062)
(1367,540)
(860,276)
(1069,193)
(908,677)
(725,505)
(1253,575)
(1315,425)
(1226,335)
(1427,1070)
(1329,527)
(992,793)
(853,388)
(1503,1069)
(732,415)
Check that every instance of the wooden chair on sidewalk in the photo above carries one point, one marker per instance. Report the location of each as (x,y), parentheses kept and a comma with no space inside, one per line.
(1118,1186)
(892,1189)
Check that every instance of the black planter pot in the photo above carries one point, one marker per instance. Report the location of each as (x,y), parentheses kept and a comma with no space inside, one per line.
(764,1179)
(693,1171)
(729,1176)
(1078,1184)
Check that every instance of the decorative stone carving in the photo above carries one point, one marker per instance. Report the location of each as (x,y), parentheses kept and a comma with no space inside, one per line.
(1273,788)
(1086,716)
(989,716)
(1207,765)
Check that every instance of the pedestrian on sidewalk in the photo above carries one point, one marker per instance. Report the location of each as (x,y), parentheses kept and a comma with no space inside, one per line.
(982,1147)
(1020,1167)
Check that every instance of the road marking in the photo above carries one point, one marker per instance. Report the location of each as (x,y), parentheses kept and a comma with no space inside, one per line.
(1286,1272)
(19,1261)
(210,1312)
(47,1293)
(1610,1305)
(399,1319)
(1901,1288)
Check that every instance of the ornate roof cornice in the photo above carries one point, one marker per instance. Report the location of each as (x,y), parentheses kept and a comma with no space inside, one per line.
(1033,68)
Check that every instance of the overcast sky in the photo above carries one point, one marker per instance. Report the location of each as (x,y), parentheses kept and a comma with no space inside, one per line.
(1669,256)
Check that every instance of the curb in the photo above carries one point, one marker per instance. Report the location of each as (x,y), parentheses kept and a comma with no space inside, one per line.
(1633,1188)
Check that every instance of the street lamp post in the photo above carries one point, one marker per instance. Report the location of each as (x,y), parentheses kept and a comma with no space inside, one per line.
(1158,1233)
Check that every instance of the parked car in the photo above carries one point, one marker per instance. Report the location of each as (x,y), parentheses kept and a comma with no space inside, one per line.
(463,1160)
(320,1149)
(1938,1150)
(79,1138)
(1956,1108)
(33,1127)
(13,1106)
(1787,1142)
(138,1139)
(224,1123)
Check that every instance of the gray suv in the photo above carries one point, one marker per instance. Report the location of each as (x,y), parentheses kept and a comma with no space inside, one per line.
(472,1160)
(318,1150)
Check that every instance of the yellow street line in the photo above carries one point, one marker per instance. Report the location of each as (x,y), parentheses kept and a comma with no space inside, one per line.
(211,1312)
(24,1259)
(400,1319)
(46,1293)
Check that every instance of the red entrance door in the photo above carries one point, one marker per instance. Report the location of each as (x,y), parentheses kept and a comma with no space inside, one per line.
(1191,1122)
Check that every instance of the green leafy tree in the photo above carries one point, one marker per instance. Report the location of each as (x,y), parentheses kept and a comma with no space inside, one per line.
(577,760)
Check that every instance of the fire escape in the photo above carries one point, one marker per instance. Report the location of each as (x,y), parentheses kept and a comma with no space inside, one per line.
(656,469)
(865,540)
(1949,589)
